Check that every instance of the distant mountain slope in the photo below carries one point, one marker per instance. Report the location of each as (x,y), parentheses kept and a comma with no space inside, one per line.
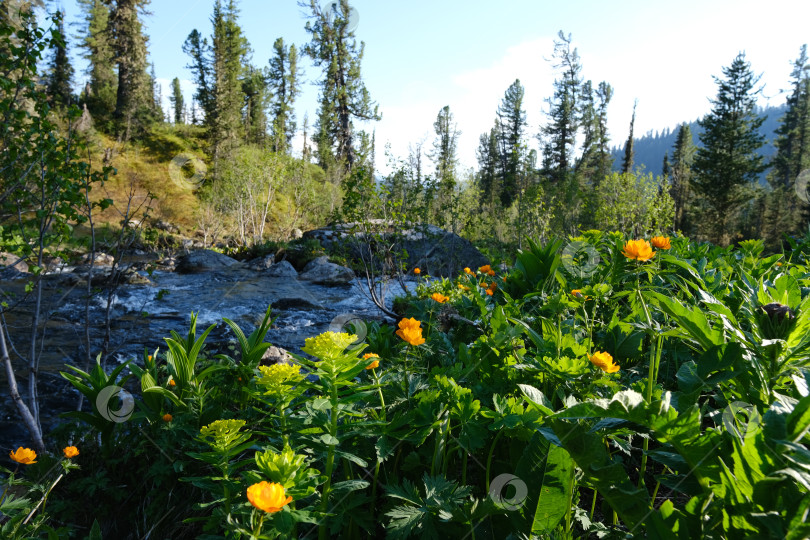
(650,149)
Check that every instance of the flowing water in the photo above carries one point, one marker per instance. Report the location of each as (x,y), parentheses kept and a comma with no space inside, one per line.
(142,315)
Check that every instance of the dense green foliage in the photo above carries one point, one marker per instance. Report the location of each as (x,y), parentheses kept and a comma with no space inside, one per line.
(658,398)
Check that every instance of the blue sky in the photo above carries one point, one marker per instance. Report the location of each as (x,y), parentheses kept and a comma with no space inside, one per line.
(422,55)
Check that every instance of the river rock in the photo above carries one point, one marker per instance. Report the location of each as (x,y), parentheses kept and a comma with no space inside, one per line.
(166,226)
(204,260)
(436,251)
(321,272)
(11,266)
(281,269)
(296,234)
(276,355)
(100,259)
(295,303)
(262,263)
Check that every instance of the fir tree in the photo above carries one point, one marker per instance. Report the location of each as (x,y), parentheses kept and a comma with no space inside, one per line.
(59,80)
(558,137)
(95,39)
(629,154)
(444,152)
(134,98)
(344,97)
(176,100)
(793,134)
(680,173)
(218,70)
(488,167)
(727,161)
(284,82)
(254,88)
(511,121)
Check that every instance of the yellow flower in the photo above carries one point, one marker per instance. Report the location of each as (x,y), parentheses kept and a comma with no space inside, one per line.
(172,383)
(467,270)
(411,331)
(267,496)
(577,293)
(24,456)
(167,417)
(71,451)
(417,271)
(463,287)
(486,269)
(279,378)
(661,242)
(329,345)
(603,361)
(639,250)
(439,297)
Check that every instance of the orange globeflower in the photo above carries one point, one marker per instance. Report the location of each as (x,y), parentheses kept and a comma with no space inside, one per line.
(486,269)
(417,271)
(71,451)
(439,297)
(577,293)
(167,417)
(411,331)
(375,363)
(489,292)
(463,287)
(639,250)
(24,456)
(467,271)
(603,361)
(491,273)
(267,496)
(661,242)
(493,286)
(172,383)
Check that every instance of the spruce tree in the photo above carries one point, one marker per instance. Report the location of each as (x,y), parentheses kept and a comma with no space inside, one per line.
(59,79)
(96,40)
(134,99)
(727,162)
(487,155)
(629,152)
(511,121)
(254,88)
(444,152)
(218,71)
(558,136)
(177,101)
(793,134)
(344,97)
(284,82)
(680,173)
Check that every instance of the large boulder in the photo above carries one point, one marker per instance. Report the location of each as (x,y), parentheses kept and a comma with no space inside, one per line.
(322,272)
(204,260)
(435,251)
